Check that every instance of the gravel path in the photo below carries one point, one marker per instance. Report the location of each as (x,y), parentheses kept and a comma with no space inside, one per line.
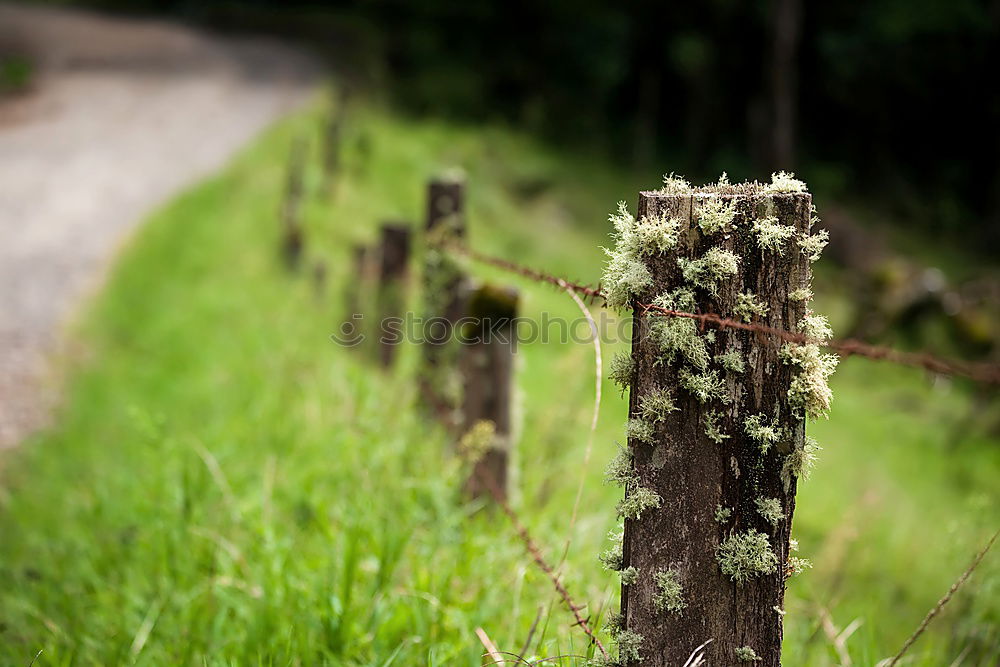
(122,114)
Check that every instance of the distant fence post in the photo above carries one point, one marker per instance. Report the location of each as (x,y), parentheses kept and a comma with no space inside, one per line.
(332,140)
(716,435)
(488,339)
(443,296)
(394,257)
(292,237)
(358,295)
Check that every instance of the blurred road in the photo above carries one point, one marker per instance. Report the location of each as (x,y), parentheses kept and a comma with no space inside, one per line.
(120,115)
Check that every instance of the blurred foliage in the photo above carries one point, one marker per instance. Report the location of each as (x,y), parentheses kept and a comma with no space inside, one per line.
(15,74)
(891,95)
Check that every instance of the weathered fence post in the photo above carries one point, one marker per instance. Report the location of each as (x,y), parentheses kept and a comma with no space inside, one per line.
(358,296)
(292,236)
(716,435)
(332,141)
(319,278)
(443,296)
(394,256)
(488,337)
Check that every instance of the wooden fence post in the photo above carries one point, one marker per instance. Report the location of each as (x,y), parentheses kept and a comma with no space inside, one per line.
(488,340)
(394,256)
(716,435)
(333,141)
(292,236)
(444,292)
(358,296)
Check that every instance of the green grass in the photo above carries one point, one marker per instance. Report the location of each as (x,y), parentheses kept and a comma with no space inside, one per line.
(226,486)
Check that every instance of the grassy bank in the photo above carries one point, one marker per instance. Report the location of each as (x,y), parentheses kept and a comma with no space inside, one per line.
(224,485)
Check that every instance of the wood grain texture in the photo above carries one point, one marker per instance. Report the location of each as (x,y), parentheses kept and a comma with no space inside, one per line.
(691,473)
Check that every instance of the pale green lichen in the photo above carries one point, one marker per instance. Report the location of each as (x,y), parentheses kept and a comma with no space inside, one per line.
(800,294)
(732,361)
(763,432)
(748,305)
(628,644)
(722,514)
(620,470)
(682,298)
(809,392)
(612,558)
(771,234)
(678,336)
(714,215)
(743,556)
(705,386)
(622,368)
(812,245)
(800,462)
(712,429)
(770,510)
(746,654)
(657,234)
(615,623)
(669,592)
(624,277)
(636,501)
(656,405)
(675,185)
(816,327)
(797,566)
(624,274)
(639,429)
(784,182)
(706,272)
(629,576)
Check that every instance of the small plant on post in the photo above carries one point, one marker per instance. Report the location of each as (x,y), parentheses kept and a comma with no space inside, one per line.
(487,368)
(443,295)
(394,256)
(710,484)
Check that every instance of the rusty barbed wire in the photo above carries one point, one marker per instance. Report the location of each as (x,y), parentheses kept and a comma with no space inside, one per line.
(536,555)
(592,293)
(982,372)
(446,415)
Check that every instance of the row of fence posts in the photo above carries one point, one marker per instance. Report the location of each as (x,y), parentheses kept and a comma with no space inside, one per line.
(465,376)
(465,380)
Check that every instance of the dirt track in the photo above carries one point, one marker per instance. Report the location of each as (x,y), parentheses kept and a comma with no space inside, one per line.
(121,115)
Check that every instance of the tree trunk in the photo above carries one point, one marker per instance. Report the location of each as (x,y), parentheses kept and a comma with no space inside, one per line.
(692,474)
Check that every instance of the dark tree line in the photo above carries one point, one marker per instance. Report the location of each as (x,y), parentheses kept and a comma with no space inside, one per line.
(894,97)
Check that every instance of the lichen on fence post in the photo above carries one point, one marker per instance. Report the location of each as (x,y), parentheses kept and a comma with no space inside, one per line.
(444,292)
(716,430)
(394,257)
(488,344)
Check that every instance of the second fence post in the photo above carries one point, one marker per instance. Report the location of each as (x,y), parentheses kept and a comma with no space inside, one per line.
(394,257)
(444,291)
(716,435)
(292,240)
(487,366)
